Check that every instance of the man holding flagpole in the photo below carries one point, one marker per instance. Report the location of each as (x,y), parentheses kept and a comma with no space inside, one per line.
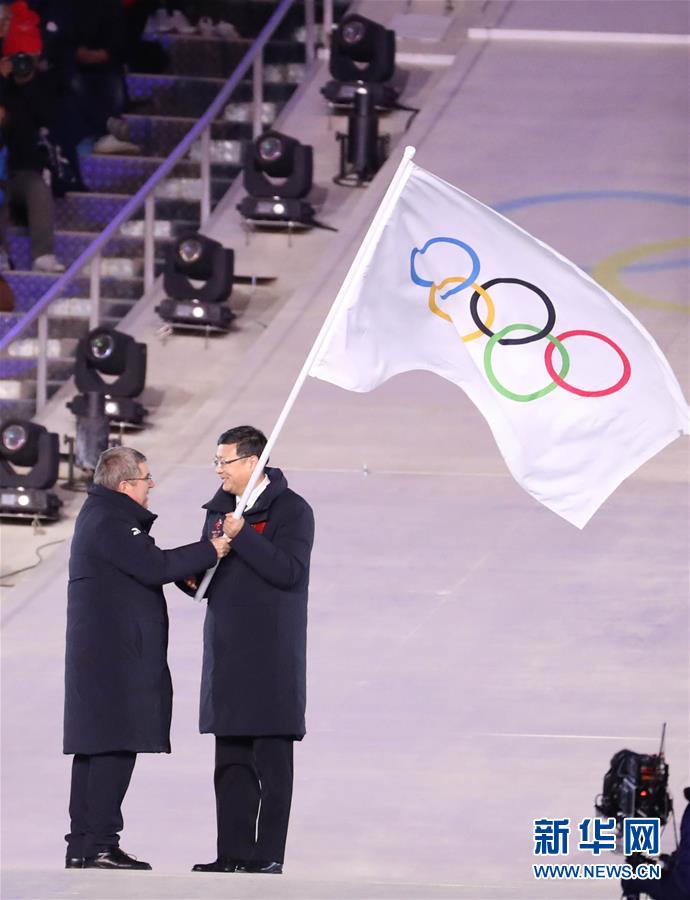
(253,683)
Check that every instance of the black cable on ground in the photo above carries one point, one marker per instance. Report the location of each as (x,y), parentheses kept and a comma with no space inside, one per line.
(33,565)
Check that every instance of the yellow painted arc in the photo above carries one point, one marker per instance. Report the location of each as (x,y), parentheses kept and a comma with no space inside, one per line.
(607,274)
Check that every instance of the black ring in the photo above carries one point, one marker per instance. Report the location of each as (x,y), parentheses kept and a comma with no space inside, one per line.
(550,322)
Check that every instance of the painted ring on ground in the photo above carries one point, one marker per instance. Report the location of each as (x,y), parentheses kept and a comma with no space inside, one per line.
(540,332)
(558,379)
(433,306)
(423,282)
(607,273)
(523,398)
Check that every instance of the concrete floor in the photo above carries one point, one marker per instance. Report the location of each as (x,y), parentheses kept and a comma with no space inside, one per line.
(474,660)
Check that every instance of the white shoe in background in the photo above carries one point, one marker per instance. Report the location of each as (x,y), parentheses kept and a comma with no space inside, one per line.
(48,263)
(161,21)
(228,31)
(205,27)
(180,23)
(119,128)
(111,144)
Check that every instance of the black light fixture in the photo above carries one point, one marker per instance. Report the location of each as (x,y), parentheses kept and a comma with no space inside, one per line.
(277,175)
(199,307)
(362,150)
(110,364)
(362,52)
(27,495)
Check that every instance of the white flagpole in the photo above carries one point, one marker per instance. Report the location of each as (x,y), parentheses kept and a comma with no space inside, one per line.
(366,249)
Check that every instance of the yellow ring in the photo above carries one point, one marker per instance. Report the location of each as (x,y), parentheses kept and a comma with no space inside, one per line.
(433,306)
(608,270)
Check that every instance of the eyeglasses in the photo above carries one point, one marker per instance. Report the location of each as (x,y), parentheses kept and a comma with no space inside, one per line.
(148,478)
(226,462)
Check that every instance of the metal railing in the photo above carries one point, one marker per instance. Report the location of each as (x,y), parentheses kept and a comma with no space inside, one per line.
(146,196)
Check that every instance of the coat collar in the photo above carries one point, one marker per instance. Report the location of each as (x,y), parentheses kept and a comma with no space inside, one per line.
(223,502)
(120,501)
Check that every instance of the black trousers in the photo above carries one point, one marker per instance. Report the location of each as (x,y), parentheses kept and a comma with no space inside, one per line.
(99,785)
(253,783)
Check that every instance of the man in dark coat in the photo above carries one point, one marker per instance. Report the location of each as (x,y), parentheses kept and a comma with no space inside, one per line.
(253,683)
(674,883)
(118,692)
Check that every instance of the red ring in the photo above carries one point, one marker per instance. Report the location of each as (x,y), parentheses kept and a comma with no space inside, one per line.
(557,378)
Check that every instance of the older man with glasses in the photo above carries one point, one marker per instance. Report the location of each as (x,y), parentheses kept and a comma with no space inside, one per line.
(118,691)
(253,683)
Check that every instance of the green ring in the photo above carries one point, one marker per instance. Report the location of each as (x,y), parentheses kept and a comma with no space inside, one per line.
(523,398)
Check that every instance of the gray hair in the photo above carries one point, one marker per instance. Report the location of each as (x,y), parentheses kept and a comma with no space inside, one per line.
(116,465)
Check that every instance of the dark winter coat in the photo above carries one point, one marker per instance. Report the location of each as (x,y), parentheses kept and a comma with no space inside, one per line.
(118,692)
(679,877)
(255,633)
(29,108)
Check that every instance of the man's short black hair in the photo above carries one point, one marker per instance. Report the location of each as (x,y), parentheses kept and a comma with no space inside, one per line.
(249,440)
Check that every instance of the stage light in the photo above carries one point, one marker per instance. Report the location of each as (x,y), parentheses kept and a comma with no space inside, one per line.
(362,52)
(362,150)
(277,174)
(113,364)
(105,351)
(26,494)
(196,258)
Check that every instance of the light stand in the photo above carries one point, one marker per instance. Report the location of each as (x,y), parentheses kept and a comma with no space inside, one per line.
(362,150)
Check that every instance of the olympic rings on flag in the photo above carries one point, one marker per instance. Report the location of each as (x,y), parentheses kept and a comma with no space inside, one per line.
(433,306)
(423,282)
(481,290)
(558,379)
(524,398)
(541,333)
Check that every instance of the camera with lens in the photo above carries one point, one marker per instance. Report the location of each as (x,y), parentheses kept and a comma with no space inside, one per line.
(23,64)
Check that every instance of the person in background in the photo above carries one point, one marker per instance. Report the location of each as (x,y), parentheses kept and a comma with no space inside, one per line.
(29,101)
(99,74)
(5,261)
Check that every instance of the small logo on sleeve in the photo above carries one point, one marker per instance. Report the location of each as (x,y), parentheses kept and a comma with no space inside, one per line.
(136,531)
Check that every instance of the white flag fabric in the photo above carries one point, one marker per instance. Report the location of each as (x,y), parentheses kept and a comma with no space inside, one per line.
(576,392)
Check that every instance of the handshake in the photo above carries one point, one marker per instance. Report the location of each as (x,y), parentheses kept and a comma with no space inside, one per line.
(221,543)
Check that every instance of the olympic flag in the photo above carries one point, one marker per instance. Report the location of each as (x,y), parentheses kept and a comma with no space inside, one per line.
(576,392)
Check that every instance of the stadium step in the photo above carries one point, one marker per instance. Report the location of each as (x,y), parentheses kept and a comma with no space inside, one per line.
(163,110)
(159,135)
(71,244)
(29,287)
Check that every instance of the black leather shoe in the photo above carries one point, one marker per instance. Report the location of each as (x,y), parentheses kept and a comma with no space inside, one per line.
(263,867)
(219,865)
(114,859)
(74,862)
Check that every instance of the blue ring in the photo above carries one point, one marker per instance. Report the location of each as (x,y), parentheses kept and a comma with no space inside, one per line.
(422,282)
